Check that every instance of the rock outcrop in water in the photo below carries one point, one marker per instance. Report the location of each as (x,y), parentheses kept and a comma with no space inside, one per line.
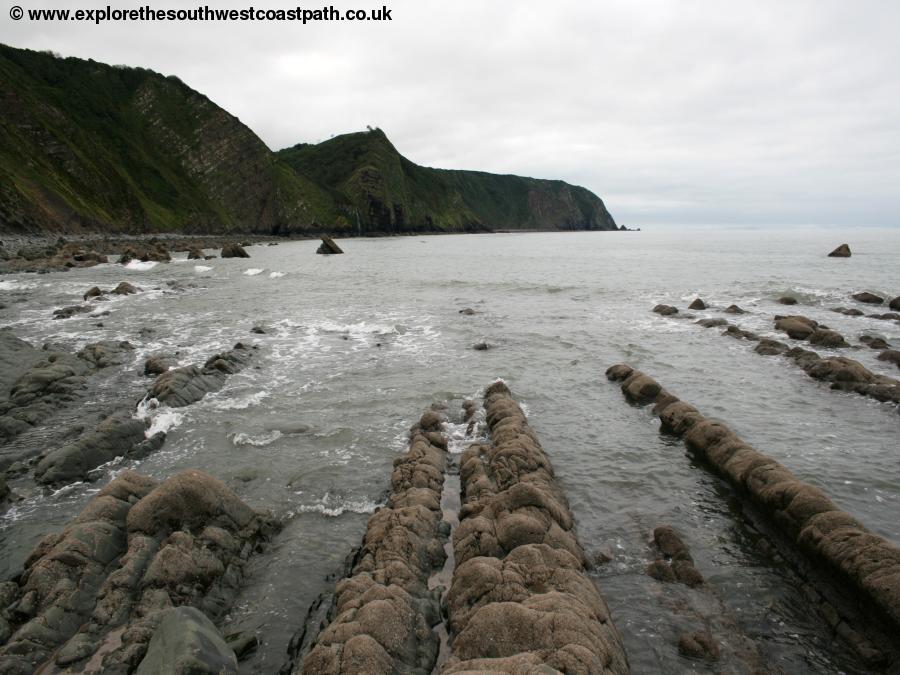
(842,373)
(675,562)
(866,566)
(328,247)
(96,592)
(182,386)
(234,251)
(868,298)
(520,599)
(842,251)
(383,612)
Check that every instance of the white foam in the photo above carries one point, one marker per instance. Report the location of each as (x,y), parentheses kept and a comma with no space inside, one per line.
(276,275)
(200,269)
(334,506)
(253,271)
(141,266)
(260,441)
(162,418)
(241,403)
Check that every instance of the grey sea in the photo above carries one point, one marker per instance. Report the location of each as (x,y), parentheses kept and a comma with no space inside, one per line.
(356,346)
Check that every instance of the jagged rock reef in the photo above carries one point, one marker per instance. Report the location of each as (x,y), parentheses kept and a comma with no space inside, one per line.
(97,591)
(383,611)
(866,565)
(520,600)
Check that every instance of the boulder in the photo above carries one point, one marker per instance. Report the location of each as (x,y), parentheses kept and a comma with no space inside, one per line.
(195,254)
(827,338)
(698,645)
(187,642)
(797,327)
(868,298)
(734,309)
(787,300)
(234,250)
(665,310)
(93,292)
(891,356)
(712,323)
(768,347)
(72,310)
(328,247)
(124,288)
(106,353)
(895,304)
(842,251)
(697,304)
(874,342)
(182,386)
(157,364)
(847,312)
(481,346)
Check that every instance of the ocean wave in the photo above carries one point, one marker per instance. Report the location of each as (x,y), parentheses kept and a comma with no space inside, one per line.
(334,506)
(200,269)
(162,418)
(260,441)
(141,266)
(276,275)
(241,403)
(253,271)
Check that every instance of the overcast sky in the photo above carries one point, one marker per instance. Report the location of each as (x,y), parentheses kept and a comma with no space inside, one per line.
(684,112)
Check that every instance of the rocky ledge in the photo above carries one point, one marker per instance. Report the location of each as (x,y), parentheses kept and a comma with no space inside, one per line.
(382,613)
(866,567)
(520,600)
(95,596)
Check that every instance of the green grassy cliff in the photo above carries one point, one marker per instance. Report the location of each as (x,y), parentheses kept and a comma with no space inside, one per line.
(88,147)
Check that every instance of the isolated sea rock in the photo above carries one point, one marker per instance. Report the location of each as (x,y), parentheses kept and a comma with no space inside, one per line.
(734,309)
(891,356)
(874,342)
(665,310)
(697,304)
(698,645)
(195,254)
(92,292)
(768,347)
(234,251)
(852,311)
(675,562)
(481,346)
(328,247)
(157,364)
(468,311)
(712,323)
(124,288)
(145,252)
(895,304)
(72,310)
(868,298)
(827,338)
(185,641)
(842,251)
(797,327)
(103,586)
(787,300)
(182,386)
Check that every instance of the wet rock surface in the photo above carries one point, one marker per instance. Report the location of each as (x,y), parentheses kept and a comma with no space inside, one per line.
(674,562)
(187,642)
(868,298)
(697,304)
(865,567)
(182,386)
(665,310)
(96,592)
(520,600)
(234,251)
(842,251)
(328,246)
(382,614)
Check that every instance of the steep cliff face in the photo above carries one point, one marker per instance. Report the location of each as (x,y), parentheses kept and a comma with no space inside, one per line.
(87,147)
(380,190)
